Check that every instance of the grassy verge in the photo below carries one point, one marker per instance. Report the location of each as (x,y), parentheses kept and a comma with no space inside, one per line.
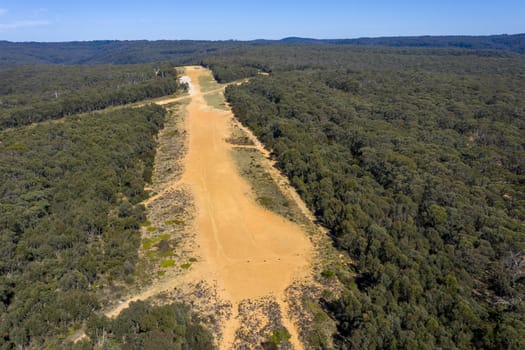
(207,83)
(216,100)
(239,137)
(249,162)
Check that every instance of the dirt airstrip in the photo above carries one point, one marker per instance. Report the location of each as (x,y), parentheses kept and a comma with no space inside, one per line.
(248,254)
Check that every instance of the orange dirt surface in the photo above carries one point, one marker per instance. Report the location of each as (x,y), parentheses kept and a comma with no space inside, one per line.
(250,251)
(245,250)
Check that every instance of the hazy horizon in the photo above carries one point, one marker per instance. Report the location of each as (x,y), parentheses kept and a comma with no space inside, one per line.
(278,39)
(59,21)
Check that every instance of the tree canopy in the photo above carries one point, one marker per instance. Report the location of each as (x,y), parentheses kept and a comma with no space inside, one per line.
(31,94)
(417,168)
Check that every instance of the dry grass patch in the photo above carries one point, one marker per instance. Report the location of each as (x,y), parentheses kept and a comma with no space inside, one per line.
(207,83)
(266,192)
(216,100)
(239,137)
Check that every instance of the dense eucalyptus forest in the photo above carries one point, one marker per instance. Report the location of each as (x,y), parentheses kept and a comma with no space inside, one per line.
(31,94)
(417,168)
(69,217)
(413,158)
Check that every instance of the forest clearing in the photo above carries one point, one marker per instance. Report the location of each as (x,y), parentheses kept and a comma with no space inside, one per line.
(246,251)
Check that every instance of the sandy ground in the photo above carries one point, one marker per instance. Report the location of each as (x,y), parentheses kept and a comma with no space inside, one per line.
(244,250)
(249,251)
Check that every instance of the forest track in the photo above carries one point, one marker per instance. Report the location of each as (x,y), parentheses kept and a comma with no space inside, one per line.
(247,253)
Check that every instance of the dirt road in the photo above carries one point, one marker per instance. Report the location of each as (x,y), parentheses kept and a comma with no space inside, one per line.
(247,251)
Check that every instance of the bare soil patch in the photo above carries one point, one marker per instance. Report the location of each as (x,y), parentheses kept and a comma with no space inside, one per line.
(250,252)
(210,241)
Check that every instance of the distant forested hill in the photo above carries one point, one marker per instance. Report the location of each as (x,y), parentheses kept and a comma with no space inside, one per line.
(100,52)
(188,51)
(514,43)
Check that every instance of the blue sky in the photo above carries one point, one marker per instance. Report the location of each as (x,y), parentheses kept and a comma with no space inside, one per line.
(30,20)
